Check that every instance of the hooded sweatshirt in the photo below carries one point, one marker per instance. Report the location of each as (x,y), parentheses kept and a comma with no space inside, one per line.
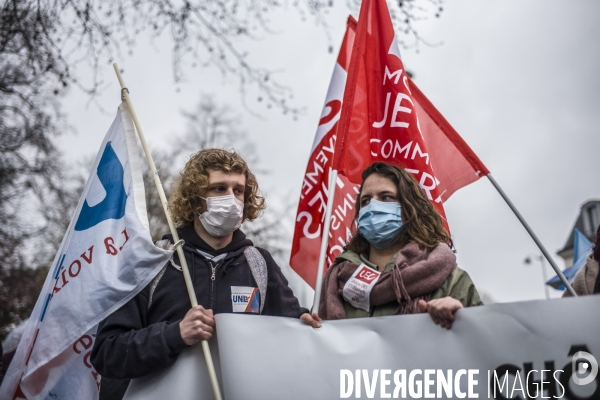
(143,337)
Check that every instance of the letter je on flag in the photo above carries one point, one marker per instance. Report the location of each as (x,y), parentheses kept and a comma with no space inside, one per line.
(384,117)
(380,120)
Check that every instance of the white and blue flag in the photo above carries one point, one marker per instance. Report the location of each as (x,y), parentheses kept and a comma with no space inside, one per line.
(106,257)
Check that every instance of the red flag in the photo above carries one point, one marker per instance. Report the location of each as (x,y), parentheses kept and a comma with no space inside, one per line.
(313,196)
(382,121)
(384,117)
(456,164)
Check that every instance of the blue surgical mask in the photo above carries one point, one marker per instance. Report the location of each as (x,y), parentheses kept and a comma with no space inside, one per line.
(379,222)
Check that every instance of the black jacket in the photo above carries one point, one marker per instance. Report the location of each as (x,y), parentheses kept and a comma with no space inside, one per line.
(137,340)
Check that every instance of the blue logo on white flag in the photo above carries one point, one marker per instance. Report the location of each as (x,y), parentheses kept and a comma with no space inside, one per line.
(581,248)
(98,268)
(110,174)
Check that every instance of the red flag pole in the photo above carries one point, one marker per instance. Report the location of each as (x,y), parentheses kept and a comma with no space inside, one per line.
(533,236)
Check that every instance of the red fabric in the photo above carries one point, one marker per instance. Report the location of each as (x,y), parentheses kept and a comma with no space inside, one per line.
(382,120)
(456,165)
(413,135)
(313,196)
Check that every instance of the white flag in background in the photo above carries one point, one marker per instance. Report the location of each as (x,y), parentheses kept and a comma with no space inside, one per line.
(105,259)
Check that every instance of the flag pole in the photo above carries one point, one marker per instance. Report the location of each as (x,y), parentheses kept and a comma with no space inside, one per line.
(324,240)
(533,236)
(163,199)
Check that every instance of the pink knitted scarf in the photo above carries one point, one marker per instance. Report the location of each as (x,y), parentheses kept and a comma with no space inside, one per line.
(416,274)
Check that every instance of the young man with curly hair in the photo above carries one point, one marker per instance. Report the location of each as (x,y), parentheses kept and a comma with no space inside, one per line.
(214,195)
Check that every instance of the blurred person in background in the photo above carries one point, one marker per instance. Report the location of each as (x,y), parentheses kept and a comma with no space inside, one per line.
(587,279)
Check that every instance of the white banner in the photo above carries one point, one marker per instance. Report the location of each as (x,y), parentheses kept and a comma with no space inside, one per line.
(187,379)
(263,357)
(106,258)
(410,357)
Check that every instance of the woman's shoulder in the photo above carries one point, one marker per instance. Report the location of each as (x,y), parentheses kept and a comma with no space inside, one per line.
(460,276)
(459,286)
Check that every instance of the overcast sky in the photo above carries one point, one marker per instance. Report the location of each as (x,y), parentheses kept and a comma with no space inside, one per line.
(517,80)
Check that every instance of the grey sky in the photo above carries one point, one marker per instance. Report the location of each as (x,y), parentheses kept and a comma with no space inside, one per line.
(516,79)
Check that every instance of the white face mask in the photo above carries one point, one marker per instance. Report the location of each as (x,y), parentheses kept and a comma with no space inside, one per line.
(224,215)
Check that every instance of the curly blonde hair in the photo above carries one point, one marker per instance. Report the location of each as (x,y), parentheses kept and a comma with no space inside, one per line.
(421,221)
(192,184)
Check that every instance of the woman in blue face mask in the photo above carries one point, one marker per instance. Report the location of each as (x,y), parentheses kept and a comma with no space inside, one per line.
(398,260)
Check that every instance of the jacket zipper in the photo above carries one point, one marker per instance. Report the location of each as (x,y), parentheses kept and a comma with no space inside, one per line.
(212,283)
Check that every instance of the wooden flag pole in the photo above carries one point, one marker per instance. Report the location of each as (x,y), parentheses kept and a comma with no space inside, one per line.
(324,240)
(533,236)
(163,199)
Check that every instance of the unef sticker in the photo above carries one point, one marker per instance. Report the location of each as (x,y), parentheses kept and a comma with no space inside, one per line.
(358,288)
(245,299)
